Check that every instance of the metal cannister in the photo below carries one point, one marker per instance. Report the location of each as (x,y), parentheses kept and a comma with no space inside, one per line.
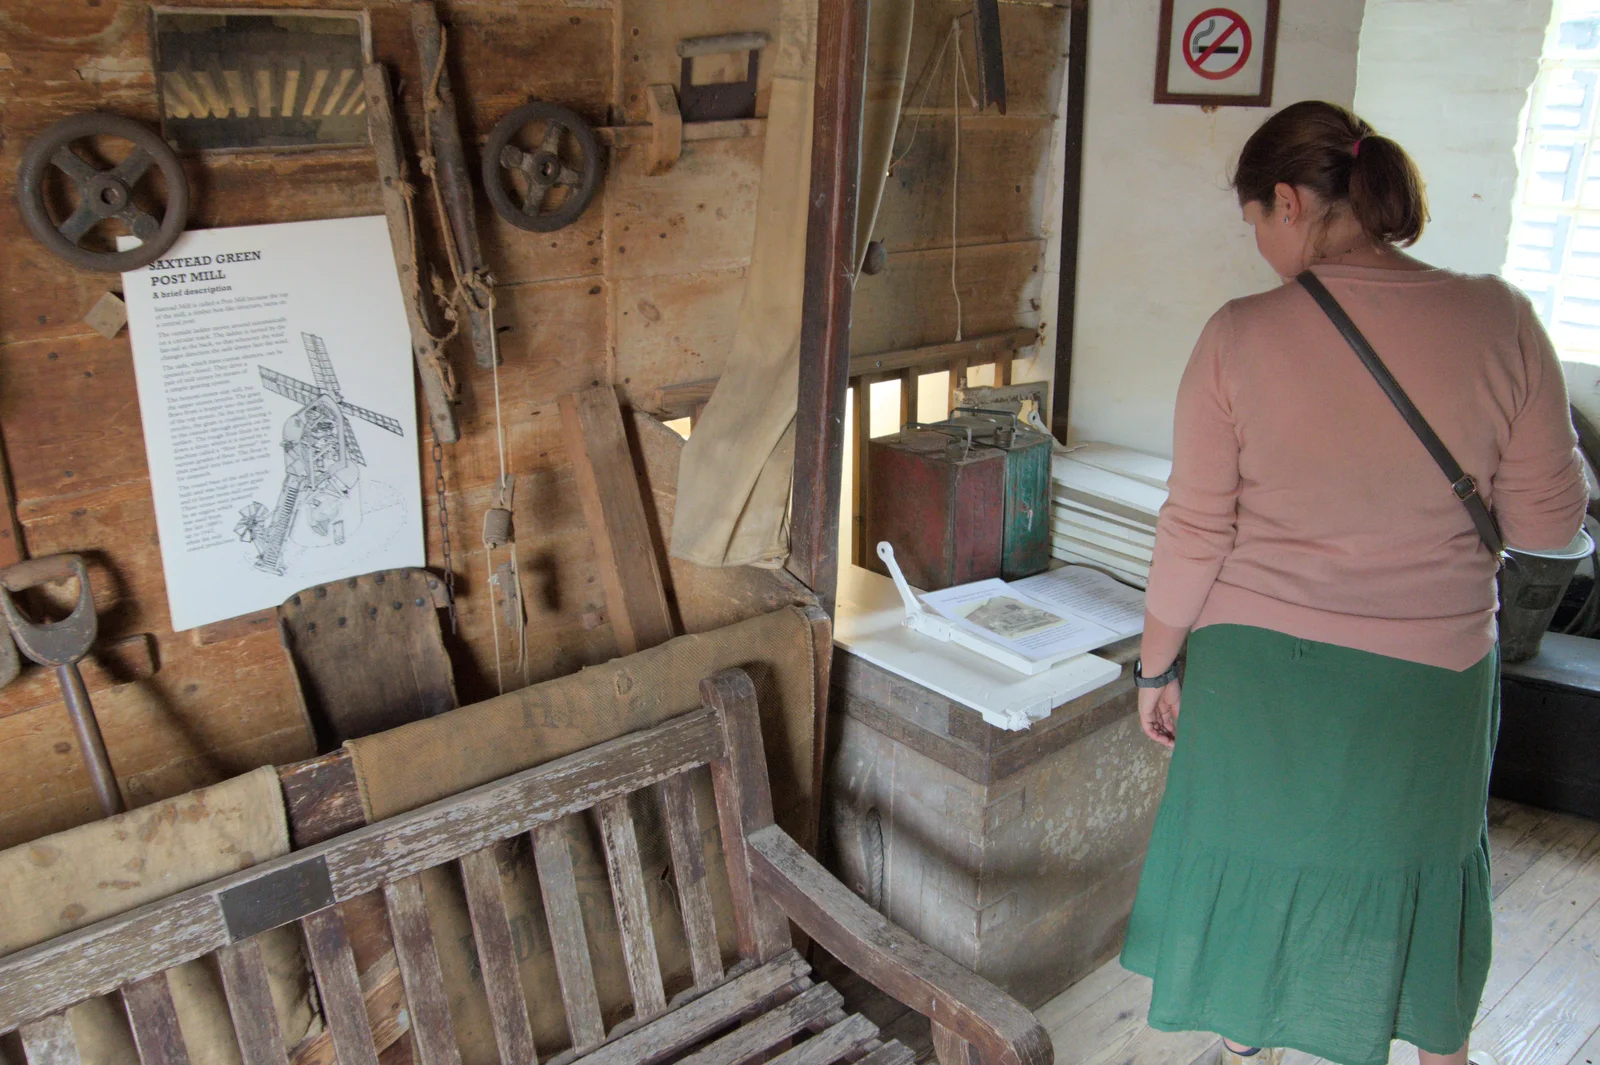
(1025,542)
(938,497)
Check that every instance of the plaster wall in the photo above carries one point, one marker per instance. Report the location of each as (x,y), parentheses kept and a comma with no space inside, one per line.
(1429,77)
(1162,244)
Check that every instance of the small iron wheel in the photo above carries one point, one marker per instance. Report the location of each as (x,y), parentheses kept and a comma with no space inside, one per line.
(543,170)
(102,194)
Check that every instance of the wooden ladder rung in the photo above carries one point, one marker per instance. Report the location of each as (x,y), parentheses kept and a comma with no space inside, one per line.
(497,958)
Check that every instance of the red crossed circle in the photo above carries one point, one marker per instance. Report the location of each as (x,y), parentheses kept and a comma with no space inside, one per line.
(1236,24)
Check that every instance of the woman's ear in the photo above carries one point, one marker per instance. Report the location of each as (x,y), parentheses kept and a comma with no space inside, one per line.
(1289,203)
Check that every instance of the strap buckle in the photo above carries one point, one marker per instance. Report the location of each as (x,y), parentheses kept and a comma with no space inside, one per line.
(1465,488)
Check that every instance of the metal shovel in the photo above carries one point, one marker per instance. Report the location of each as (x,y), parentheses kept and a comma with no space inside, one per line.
(61,644)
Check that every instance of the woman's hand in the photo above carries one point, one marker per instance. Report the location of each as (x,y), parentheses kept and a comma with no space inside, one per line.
(1158,713)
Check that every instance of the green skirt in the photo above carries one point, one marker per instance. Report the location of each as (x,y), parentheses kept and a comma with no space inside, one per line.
(1318,875)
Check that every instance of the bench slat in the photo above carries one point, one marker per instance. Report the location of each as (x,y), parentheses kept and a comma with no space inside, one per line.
(689,873)
(432,1034)
(831,1044)
(49,1041)
(768,1029)
(154,1022)
(344,1006)
(255,1018)
(564,915)
(497,958)
(632,904)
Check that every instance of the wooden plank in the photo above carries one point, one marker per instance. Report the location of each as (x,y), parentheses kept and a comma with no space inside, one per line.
(777,1024)
(689,876)
(234,628)
(744,806)
(432,1033)
(255,1018)
(891,958)
(12,548)
(1553,1010)
(497,957)
(666,129)
(438,389)
(608,485)
(910,381)
(568,940)
(321,797)
(1058,1014)
(1518,837)
(452,174)
(632,906)
(1077,75)
(101,957)
(957,380)
(861,411)
(693,1021)
(344,1007)
(911,303)
(826,304)
(50,1041)
(1542,906)
(831,1044)
(891,1053)
(387,1017)
(154,1022)
(109,663)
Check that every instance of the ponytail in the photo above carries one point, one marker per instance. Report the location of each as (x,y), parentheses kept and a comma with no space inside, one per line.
(1327,149)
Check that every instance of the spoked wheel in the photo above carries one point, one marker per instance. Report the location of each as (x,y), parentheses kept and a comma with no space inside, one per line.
(102,193)
(548,186)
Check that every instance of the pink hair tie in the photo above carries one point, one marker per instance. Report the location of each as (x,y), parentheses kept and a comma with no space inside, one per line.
(1355,149)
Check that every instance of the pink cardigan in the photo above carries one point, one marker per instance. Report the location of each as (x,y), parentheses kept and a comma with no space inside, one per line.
(1300,501)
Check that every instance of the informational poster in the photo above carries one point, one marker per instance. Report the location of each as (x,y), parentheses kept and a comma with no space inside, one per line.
(275,384)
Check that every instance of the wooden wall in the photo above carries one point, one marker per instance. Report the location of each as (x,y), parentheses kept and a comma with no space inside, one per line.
(640,292)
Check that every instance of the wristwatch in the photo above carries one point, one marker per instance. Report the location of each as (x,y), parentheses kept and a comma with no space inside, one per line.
(1142,681)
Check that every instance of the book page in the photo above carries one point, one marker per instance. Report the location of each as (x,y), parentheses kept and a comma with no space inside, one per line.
(1082,592)
(1016,621)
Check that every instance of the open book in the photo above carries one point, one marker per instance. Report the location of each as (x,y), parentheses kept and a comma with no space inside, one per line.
(1031,624)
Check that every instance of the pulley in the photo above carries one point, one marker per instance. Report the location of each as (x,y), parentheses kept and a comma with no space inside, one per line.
(102,193)
(547,187)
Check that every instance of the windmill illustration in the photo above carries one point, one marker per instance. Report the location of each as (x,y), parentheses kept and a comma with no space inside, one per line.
(321,459)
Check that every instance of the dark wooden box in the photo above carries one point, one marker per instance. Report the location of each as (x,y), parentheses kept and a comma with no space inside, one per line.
(940,502)
(1548,754)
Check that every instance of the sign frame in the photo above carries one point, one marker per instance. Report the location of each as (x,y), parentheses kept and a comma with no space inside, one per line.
(1227,97)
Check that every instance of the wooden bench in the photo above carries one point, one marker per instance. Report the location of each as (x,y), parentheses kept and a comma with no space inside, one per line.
(765,1007)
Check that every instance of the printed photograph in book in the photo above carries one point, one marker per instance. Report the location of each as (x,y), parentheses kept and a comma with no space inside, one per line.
(275,385)
(1010,618)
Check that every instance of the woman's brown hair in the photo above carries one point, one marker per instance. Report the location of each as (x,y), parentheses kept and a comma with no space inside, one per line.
(1329,150)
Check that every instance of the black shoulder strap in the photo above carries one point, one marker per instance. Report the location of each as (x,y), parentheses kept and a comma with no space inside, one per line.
(1465,488)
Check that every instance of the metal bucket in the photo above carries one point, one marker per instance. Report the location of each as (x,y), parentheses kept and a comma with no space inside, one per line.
(1531,587)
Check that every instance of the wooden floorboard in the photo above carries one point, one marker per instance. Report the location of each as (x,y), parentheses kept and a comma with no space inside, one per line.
(1541,1005)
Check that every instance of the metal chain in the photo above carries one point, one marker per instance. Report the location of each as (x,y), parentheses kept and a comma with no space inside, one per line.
(444,532)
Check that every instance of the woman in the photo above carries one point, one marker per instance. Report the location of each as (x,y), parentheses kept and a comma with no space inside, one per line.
(1318,876)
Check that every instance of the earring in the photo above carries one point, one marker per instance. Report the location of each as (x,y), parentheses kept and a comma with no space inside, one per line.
(1285,219)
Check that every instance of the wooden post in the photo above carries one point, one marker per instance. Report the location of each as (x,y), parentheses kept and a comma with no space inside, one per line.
(1071,209)
(825,309)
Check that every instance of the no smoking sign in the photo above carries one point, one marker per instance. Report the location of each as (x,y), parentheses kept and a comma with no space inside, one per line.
(1216,54)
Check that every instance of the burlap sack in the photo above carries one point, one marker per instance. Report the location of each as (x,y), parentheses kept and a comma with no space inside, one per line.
(74,878)
(415,764)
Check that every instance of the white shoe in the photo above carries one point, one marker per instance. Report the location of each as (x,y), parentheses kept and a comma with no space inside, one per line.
(1481,1057)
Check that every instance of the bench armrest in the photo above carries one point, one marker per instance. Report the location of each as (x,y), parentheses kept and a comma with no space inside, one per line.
(957,1000)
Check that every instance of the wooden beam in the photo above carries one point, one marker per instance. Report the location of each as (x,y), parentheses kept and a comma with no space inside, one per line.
(678,400)
(613,508)
(825,306)
(1071,211)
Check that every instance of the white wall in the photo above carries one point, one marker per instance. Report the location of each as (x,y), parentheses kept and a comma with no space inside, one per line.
(1448,79)
(1162,243)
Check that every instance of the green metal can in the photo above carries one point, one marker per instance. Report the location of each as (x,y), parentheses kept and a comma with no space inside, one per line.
(1025,540)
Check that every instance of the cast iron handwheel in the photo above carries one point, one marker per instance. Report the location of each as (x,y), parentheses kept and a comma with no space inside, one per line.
(542,168)
(102,194)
